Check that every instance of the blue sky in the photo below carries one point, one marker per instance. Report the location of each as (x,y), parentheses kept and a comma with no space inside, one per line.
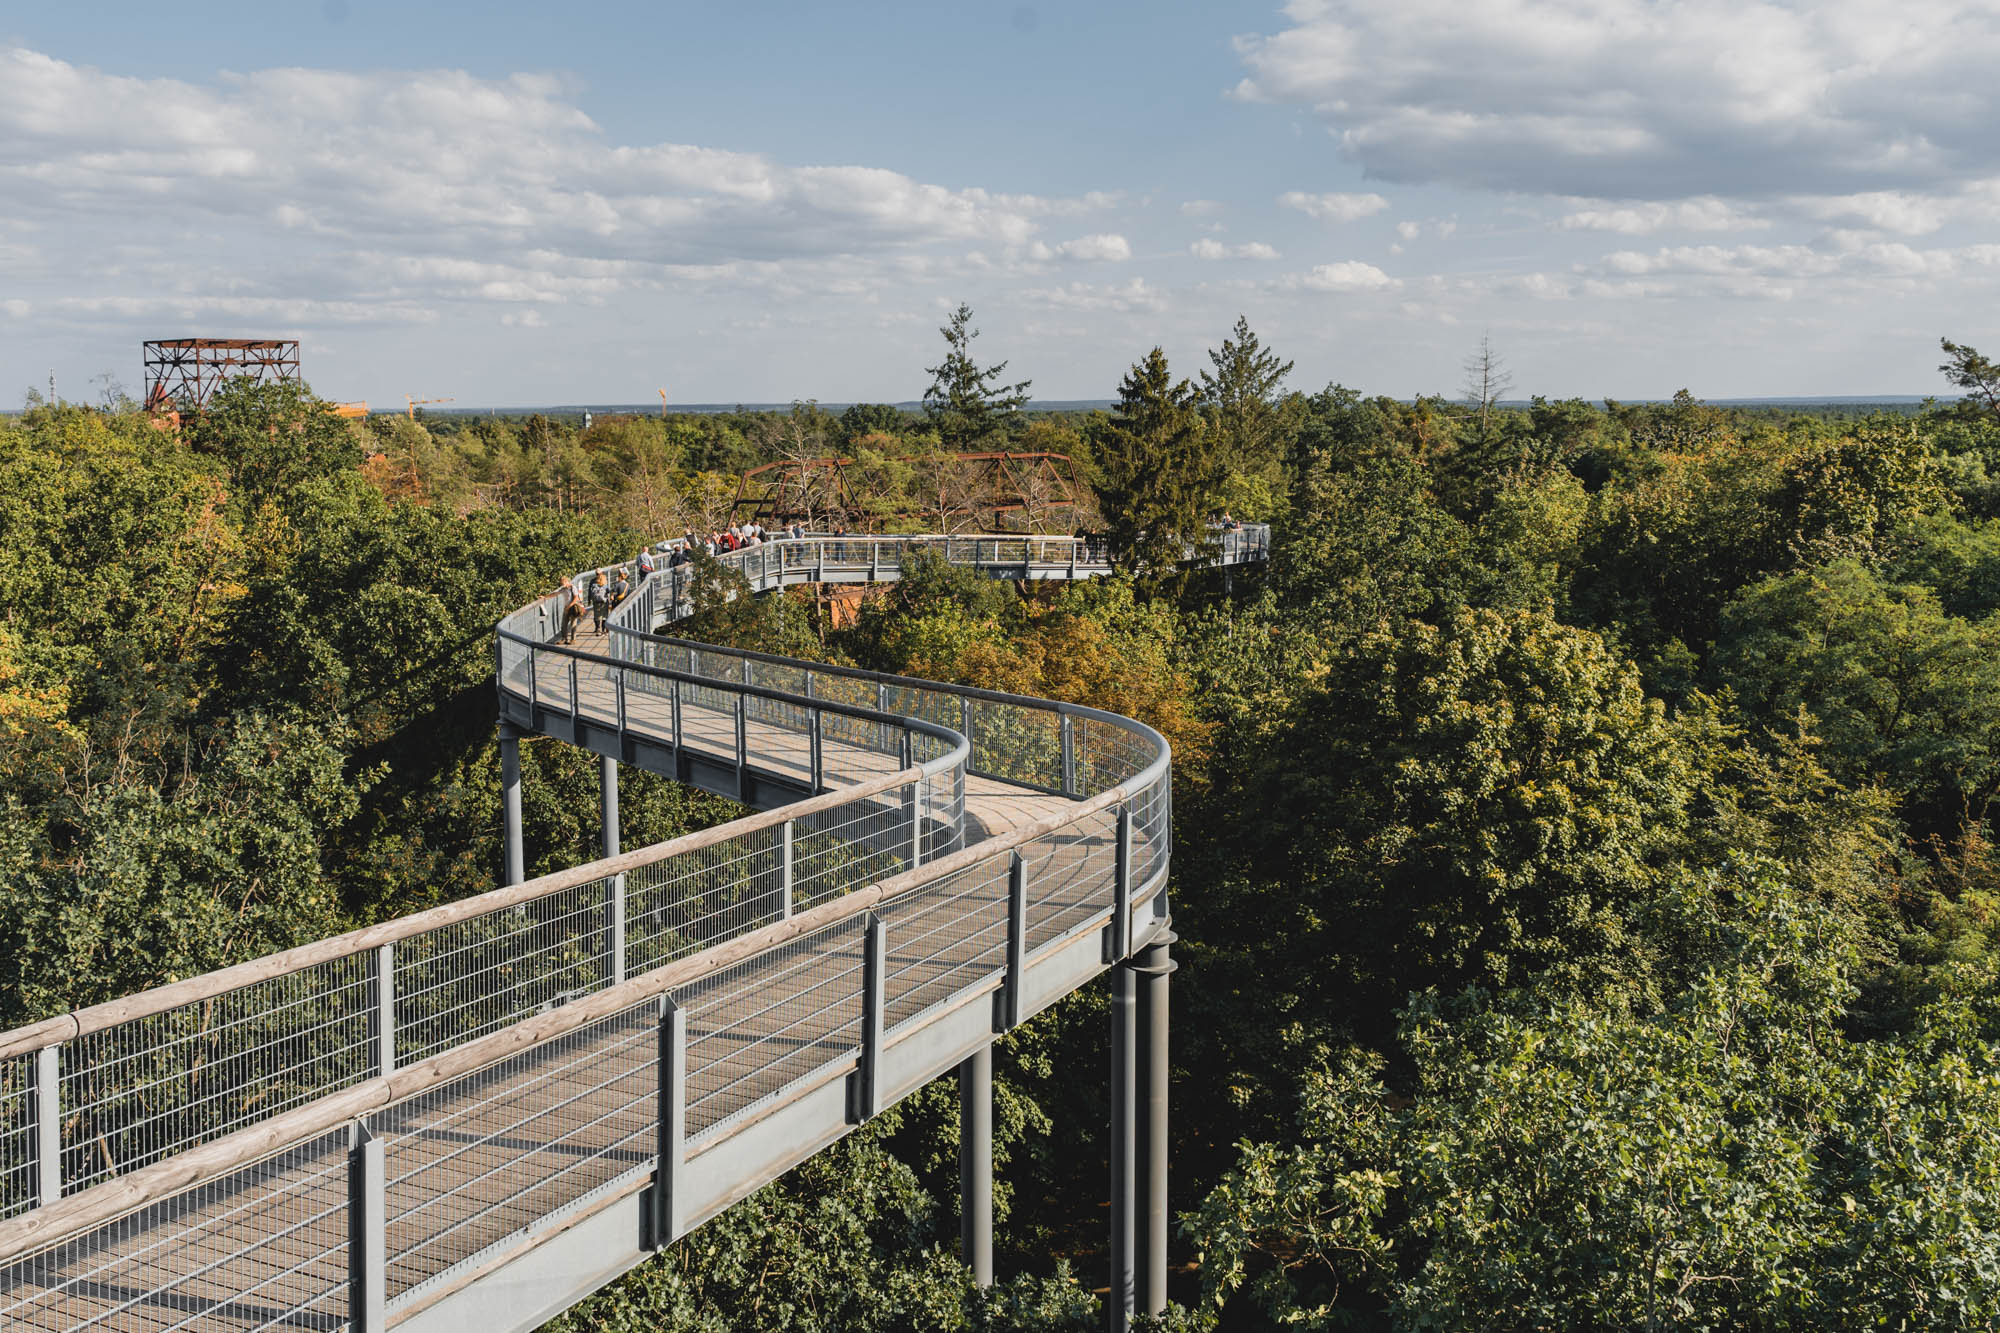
(527,204)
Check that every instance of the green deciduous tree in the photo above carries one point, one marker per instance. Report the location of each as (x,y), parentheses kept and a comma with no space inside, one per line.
(271,436)
(1732,1161)
(1901,690)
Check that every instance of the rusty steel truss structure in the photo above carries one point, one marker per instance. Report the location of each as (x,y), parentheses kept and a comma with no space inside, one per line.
(1016,491)
(183,372)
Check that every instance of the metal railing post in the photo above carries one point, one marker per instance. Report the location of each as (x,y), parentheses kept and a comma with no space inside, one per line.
(367,1231)
(618,678)
(874,978)
(672,1129)
(913,805)
(48,1125)
(785,869)
(1068,755)
(385,1010)
(575,715)
(677,718)
(1121,889)
(818,752)
(742,752)
(1017,939)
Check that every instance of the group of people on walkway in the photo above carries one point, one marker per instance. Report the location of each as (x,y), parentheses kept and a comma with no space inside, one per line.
(600,591)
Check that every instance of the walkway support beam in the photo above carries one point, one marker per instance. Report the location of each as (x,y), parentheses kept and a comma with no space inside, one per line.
(1120,1300)
(975,1164)
(510,800)
(1153,965)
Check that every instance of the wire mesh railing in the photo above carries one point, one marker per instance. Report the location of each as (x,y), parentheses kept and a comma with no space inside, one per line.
(445,1082)
(141,1079)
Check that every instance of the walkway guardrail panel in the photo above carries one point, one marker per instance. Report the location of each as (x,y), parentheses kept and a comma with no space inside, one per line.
(19,1182)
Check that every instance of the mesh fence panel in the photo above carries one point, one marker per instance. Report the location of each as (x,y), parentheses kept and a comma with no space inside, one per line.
(475,1161)
(1108,754)
(476,976)
(943,937)
(149,1087)
(179,1264)
(17,1134)
(1070,876)
(684,904)
(847,847)
(760,1025)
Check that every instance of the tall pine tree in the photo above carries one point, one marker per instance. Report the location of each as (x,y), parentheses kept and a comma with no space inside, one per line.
(1161,472)
(1253,418)
(968,405)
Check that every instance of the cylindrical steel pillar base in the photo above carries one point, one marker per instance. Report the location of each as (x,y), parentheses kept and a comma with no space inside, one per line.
(975,1164)
(607,802)
(510,800)
(1120,1301)
(1152,967)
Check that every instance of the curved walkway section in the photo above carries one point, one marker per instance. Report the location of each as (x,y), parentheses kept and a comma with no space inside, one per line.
(475,1115)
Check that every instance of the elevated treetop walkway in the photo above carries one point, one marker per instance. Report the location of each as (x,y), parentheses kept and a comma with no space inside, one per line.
(475,1115)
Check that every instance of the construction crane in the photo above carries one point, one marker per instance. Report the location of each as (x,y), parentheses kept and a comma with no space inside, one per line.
(416,403)
(663,403)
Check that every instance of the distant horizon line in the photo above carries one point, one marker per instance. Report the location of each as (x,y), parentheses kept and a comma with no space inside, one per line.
(915,406)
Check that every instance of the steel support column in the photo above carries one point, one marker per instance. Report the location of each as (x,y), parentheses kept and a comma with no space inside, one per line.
(1120,1300)
(975,1164)
(510,800)
(1152,967)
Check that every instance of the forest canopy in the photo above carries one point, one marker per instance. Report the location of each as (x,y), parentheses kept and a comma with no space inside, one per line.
(1584,870)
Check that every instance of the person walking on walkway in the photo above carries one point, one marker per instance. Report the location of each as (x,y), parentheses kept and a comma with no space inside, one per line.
(645,563)
(600,601)
(569,609)
(621,588)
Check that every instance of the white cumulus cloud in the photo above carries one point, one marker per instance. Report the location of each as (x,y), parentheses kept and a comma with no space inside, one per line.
(1646,99)
(1334,207)
(1210,248)
(1348,275)
(1704,214)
